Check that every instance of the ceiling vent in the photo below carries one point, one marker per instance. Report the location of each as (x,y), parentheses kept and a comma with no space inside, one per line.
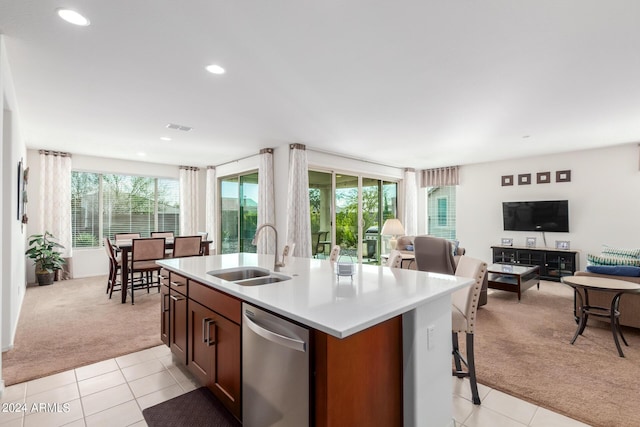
(179,127)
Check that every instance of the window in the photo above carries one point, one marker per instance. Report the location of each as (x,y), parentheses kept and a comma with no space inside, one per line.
(441,211)
(239,209)
(105,204)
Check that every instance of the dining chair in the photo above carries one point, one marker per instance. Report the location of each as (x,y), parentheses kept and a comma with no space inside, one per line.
(168,253)
(144,254)
(162,234)
(464,305)
(184,246)
(126,236)
(335,253)
(115,264)
(395,259)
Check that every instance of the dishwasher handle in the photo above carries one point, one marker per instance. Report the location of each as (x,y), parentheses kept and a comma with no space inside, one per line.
(291,343)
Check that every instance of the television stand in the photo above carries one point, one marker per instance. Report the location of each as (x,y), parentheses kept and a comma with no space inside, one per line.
(553,264)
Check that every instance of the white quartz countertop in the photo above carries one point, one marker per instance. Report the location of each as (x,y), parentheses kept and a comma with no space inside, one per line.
(316,297)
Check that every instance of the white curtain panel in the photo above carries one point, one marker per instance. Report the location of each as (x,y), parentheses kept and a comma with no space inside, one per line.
(188,200)
(298,219)
(266,206)
(212,212)
(410,203)
(55,197)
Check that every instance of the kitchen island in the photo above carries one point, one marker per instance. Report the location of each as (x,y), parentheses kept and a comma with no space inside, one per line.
(381,339)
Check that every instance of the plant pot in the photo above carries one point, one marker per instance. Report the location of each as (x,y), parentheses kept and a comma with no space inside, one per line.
(45,278)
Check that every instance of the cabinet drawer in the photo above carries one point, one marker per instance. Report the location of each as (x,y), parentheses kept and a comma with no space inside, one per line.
(178,283)
(222,303)
(164,276)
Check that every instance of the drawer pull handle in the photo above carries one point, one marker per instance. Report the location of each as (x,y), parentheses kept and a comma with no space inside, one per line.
(175,298)
(206,330)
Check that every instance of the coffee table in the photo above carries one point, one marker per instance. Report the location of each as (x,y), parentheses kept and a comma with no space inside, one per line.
(617,287)
(513,277)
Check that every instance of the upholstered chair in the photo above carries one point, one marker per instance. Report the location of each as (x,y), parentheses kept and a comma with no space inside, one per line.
(335,253)
(184,246)
(115,264)
(434,254)
(144,253)
(463,318)
(395,259)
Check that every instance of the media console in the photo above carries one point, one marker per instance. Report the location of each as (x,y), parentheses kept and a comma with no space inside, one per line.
(553,263)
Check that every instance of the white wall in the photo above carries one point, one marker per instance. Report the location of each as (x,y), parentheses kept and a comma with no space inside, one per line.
(12,236)
(603,195)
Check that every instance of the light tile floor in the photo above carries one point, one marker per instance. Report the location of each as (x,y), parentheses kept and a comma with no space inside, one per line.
(113,393)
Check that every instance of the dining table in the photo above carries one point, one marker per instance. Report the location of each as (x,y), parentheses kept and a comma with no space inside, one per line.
(123,246)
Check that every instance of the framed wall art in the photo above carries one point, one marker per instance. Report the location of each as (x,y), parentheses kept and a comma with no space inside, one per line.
(507,180)
(524,179)
(507,241)
(543,177)
(562,244)
(531,242)
(563,176)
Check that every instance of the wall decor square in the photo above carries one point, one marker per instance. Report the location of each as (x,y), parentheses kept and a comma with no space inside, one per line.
(563,176)
(531,242)
(507,180)
(524,179)
(543,177)
(562,244)
(507,241)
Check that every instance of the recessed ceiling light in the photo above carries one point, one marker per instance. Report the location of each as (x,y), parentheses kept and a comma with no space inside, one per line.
(73,17)
(165,138)
(141,154)
(215,69)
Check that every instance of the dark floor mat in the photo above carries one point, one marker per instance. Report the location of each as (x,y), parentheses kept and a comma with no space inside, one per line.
(198,408)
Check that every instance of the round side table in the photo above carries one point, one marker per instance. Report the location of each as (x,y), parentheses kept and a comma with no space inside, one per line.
(617,287)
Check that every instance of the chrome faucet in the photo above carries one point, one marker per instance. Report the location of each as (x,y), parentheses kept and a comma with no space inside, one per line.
(277,264)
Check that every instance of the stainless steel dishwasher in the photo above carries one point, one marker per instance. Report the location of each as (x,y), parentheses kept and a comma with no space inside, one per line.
(275,370)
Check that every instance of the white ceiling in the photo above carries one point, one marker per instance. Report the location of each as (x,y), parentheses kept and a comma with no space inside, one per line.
(407,83)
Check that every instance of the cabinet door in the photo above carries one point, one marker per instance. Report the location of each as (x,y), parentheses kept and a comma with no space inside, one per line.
(200,354)
(225,380)
(164,314)
(214,354)
(178,325)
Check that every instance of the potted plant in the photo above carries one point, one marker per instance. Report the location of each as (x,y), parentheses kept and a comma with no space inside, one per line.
(43,250)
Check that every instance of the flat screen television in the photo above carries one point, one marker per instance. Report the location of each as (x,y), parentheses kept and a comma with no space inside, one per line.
(547,215)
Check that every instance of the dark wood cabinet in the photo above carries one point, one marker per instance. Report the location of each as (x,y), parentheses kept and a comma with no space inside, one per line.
(164,314)
(178,325)
(214,349)
(553,263)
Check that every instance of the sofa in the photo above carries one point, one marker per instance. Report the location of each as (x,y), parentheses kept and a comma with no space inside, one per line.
(405,245)
(629,303)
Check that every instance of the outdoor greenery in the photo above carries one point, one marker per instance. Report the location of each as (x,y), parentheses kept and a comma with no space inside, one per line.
(347,215)
(105,204)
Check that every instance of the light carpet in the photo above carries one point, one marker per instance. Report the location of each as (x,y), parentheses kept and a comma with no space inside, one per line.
(524,349)
(73,323)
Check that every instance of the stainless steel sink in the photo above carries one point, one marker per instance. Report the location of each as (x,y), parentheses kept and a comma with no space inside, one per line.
(262,280)
(248,276)
(239,273)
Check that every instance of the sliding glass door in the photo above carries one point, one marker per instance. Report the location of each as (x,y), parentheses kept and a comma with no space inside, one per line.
(239,213)
(349,211)
(347,215)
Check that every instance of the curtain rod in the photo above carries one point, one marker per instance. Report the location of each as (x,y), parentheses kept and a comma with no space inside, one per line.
(234,161)
(354,158)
